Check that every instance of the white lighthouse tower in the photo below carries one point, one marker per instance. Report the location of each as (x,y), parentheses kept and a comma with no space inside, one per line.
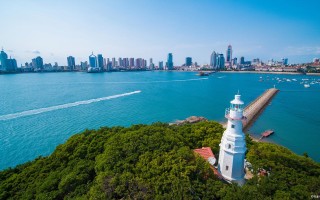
(233,144)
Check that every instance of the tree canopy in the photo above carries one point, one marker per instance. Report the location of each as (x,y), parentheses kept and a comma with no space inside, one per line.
(156,162)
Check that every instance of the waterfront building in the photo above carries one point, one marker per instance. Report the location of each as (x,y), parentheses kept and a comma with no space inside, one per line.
(151,65)
(131,63)
(93,61)
(161,65)
(3,60)
(213,59)
(220,61)
(229,54)
(126,62)
(114,63)
(233,144)
(84,65)
(284,61)
(71,63)
(8,65)
(120,63)
(37,63)
(234,61)
(188,61)
(100,62)
(169,63)
(241,60)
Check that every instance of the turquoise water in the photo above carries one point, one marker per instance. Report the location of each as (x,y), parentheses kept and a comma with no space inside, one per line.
(40,111)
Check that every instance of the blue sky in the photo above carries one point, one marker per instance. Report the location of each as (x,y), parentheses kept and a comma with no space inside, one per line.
(55,29)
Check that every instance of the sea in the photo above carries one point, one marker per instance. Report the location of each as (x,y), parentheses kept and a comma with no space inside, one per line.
(39,111)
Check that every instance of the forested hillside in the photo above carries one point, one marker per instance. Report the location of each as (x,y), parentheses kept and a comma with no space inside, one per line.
(156,162)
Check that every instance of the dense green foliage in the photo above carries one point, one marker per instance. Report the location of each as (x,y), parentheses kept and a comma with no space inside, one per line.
(155,162)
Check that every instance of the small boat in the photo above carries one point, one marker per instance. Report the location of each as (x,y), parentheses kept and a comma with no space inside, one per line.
(306,85)
(202,74)
(267,133)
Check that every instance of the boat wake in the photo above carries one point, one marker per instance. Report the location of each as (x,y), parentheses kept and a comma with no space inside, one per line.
(62,106)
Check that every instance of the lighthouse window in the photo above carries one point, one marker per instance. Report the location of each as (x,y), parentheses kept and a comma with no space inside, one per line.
(229,146)
(232,125)
(227,167)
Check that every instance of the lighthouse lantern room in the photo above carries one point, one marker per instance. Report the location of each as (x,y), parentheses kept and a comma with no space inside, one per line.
(233,145)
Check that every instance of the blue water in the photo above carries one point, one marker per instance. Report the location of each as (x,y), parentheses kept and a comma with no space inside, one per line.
(48,108)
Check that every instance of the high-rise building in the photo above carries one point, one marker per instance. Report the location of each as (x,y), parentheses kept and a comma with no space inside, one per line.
(37,63)
(3,60)
(229,54)
(161,65)
(114,63)
(188,61)
(84,65)
(93,61)
(169,63)
(220,61)
(151,65)
(242,60)
(213,59)
(131,64)
(9,65)
(234,61)
(120,63)
(126,62)
(100,62)
(71,63)
(233,144)
(284,61)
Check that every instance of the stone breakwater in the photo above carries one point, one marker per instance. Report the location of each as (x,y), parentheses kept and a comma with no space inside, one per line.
(256,107)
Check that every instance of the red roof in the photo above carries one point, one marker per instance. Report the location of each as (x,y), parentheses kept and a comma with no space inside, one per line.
(205,152)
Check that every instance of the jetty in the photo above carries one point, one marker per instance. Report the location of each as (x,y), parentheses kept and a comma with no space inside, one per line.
(256,107)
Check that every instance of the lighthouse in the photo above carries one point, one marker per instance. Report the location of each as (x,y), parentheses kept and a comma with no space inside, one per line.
(233,144)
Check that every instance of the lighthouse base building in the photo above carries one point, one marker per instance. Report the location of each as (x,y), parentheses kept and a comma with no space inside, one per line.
(233,144)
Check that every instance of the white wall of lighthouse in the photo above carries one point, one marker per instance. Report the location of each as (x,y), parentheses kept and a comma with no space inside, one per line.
(233,145)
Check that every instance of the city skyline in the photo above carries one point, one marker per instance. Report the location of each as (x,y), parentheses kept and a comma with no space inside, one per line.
(265,30)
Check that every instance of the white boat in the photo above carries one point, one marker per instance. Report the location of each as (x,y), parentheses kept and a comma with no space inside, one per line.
(306,85)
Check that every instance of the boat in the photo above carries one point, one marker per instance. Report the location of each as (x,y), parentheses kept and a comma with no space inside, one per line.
(306,85)
(202,74)
(93,70)
(267,133)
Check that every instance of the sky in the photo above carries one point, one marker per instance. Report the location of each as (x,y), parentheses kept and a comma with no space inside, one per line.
(55,29)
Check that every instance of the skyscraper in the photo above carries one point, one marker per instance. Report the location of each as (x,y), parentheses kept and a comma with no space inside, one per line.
(169,63)
(220,61)
(188,61)
(131,64)
(3,59)
(161,65)
(229,54)
(213,59)
(93,61)
(37,63)
(100,62)
(113,60)
(242,60)
(71,63)
(9,65)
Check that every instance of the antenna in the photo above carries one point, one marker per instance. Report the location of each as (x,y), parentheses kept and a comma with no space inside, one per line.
(238,92)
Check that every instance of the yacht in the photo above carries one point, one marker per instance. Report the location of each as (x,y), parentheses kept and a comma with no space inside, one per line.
(306,85)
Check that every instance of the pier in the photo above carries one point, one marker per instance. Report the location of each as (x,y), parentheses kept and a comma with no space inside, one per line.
(256,107)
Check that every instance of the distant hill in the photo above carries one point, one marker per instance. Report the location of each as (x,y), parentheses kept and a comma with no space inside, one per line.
(156,162)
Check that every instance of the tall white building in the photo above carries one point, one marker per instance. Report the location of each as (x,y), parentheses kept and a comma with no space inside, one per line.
(233,144)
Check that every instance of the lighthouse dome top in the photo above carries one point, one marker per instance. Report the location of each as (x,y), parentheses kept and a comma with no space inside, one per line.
(237,100)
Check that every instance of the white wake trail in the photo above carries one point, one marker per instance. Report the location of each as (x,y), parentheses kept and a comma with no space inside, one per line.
(63,106)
